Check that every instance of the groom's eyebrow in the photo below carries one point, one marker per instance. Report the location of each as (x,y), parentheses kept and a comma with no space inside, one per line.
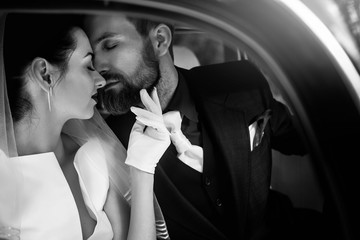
(105,36)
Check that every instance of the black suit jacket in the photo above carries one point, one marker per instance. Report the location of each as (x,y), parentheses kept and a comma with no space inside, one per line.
(228,98)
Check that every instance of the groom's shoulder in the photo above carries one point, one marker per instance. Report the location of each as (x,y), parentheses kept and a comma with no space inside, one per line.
(236,76)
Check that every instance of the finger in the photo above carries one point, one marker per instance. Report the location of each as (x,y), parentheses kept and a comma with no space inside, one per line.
(155,97)
(145,113)
(148,118)
(148,102)
(151,123)
(157,134)
(138,127)
(146,99)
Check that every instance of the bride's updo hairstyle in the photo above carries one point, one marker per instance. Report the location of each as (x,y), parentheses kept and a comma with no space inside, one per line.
(28,36)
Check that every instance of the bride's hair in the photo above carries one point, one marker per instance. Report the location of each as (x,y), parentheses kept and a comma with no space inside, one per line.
(28,36)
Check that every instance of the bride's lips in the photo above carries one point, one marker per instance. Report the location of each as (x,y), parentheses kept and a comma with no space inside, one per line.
(95,97)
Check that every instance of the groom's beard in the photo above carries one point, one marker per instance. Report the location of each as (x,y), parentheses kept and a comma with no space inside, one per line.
(118,98)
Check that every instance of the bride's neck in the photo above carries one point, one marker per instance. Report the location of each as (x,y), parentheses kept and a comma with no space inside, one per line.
(39,135)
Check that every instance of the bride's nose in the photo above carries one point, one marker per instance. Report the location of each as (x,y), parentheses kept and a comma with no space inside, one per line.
(99,80)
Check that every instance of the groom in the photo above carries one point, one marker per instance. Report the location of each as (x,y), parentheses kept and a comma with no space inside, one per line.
(228,114)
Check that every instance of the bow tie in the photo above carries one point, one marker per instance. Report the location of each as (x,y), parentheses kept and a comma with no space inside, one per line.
(188,153)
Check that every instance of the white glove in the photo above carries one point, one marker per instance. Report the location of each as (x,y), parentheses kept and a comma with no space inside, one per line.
(188,153)
(149,137)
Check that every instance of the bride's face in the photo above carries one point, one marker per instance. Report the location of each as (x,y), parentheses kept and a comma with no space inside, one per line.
(74,95)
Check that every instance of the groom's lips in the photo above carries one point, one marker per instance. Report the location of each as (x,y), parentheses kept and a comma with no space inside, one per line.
(112,84)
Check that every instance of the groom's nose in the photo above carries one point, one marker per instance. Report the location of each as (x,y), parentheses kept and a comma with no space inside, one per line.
(101,64)
(99,80)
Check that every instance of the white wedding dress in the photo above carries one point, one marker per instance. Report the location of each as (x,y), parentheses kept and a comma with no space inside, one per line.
(48,209)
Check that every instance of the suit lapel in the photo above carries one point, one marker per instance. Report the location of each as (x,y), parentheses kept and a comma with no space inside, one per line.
(229,130)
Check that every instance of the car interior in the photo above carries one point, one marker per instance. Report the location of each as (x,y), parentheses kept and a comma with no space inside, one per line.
(195,43)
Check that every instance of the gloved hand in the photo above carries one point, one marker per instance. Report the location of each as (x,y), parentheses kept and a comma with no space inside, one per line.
(149,137)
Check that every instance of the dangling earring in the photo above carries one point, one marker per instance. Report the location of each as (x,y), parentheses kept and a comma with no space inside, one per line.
(49,95)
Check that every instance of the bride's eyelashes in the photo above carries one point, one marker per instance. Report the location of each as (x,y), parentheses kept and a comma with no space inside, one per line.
(91,68)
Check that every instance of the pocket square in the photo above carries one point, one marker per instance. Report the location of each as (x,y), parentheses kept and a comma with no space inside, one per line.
(257,129)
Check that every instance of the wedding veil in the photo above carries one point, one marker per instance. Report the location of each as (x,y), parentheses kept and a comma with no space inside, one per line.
(10,176)
(7,140)
(81,131)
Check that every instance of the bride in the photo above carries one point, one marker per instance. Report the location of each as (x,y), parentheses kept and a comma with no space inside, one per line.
(63,173)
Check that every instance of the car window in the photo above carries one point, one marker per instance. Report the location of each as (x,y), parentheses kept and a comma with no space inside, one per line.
(203,47)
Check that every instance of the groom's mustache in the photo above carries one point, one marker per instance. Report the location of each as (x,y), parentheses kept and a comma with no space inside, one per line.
(114,78)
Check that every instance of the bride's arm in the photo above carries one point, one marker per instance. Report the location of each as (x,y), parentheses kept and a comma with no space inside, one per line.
(142,220)
(148,141)
(118,212)
(139,221)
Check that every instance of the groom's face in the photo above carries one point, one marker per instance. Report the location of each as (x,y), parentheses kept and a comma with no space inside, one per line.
(126,61)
